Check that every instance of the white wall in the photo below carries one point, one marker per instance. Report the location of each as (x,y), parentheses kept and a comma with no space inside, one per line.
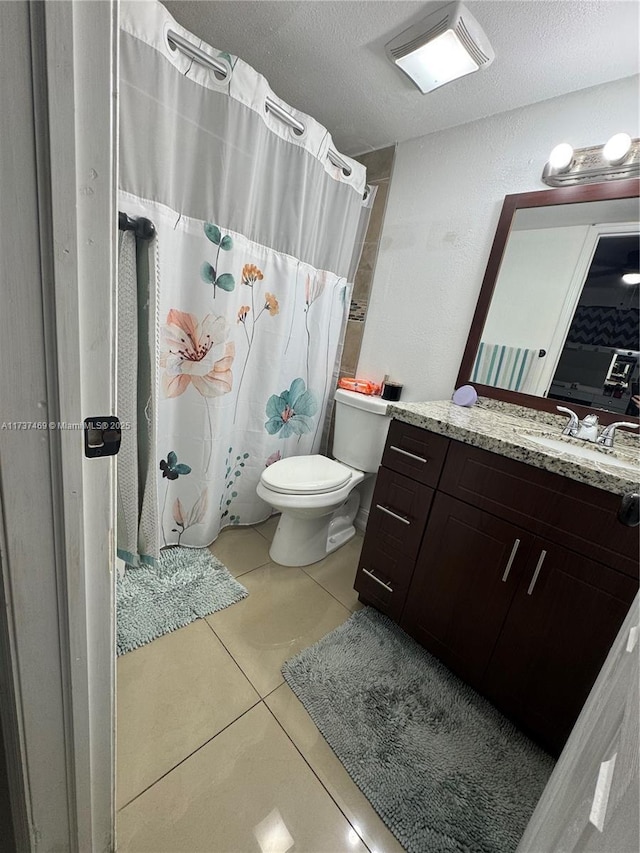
(445,198)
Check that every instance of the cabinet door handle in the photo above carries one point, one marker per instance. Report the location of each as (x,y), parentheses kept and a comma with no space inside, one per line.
(514,550)
(543,554)
(377,580)
(406,453)
(393,514)
(629,512)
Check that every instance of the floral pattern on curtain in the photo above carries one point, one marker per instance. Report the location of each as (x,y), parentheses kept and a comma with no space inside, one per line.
(256,248)
(244,371)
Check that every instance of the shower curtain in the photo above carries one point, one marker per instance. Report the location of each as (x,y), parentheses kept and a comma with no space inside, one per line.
(257,244)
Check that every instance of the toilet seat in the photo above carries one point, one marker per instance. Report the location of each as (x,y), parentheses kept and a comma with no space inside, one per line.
(306,475)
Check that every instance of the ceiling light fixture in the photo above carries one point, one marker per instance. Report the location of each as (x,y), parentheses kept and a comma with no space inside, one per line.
(631,278)
(618,159)
(445,45)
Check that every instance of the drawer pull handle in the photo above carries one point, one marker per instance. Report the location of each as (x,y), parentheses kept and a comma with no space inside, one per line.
(377,580)
(514,551)
(543,554)
(406,453)
(393,514)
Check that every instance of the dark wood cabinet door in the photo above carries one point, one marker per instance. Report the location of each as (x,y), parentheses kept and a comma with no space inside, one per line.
(466,575)
(563,620)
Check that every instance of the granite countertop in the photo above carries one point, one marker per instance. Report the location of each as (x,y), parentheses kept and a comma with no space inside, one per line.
(505,429)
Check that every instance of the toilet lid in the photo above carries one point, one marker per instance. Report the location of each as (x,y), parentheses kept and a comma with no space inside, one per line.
(306,475)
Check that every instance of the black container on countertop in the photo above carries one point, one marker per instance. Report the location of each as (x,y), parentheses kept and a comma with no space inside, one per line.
(391,391)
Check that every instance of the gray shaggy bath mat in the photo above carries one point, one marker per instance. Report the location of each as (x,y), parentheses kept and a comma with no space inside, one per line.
(442,767)
(184,585)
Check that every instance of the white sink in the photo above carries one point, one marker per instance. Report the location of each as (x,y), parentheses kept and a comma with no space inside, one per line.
(586,451)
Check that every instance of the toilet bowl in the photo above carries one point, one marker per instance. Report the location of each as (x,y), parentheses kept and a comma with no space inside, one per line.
(318,505)
(317,496)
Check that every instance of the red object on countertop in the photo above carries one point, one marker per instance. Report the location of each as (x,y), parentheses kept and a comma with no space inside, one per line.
(362,386)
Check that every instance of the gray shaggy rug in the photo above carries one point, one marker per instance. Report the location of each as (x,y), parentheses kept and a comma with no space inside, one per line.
(184,585)
(442,767)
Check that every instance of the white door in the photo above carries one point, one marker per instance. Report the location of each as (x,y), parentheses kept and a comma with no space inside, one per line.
(57,341)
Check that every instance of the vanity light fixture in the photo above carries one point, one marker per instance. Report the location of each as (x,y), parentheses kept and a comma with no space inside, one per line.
(561,157)
(618,159)
(617,148)
(445,45)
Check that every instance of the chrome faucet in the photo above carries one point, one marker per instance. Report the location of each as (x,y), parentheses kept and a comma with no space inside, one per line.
(587,428)
(608,433)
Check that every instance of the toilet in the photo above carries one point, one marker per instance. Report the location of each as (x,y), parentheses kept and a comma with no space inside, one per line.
(317,495)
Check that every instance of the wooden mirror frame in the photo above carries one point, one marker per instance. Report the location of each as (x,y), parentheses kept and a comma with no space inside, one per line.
(629,188)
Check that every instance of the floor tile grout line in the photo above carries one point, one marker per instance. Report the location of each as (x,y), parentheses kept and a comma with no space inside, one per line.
(187,757)
(306,761)
(224,646)
(270,538)
(266,696)
(253,686)
(328,591)
(248,571)
(341,603)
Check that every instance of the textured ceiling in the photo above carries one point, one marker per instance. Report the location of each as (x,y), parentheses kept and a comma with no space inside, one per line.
(327,58)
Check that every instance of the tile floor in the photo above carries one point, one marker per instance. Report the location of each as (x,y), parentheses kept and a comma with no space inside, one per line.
(215,752)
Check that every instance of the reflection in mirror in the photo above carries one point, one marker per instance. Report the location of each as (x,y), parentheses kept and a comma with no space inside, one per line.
(563,319)
(598,365)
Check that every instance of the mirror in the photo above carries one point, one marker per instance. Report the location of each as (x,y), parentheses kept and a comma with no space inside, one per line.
(557,317)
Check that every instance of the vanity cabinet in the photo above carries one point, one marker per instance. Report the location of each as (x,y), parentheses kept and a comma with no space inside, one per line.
(520,578)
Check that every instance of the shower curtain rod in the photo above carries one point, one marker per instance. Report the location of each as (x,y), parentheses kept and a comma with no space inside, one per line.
(204,59)
(144,229)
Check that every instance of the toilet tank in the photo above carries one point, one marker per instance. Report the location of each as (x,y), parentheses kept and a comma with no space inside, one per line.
(361,427)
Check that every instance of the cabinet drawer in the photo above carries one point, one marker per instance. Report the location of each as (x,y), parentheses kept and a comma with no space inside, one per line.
(383,578)
(415,452)
(386,562)
(574,515)
(398,513)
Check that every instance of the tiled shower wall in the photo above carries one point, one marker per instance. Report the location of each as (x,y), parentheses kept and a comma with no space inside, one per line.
(379,165)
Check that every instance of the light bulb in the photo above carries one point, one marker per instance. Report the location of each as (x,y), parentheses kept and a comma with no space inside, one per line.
(631,278)
(617,148)
(561,156)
